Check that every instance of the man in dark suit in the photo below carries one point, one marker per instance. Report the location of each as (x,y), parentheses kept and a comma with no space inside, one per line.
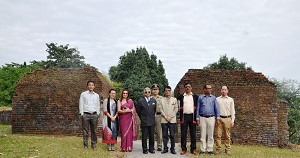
(146,109)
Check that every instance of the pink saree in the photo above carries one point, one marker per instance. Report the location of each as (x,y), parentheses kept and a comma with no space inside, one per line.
(128,127)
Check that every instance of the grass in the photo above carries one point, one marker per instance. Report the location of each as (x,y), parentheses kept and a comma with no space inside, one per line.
(16,145)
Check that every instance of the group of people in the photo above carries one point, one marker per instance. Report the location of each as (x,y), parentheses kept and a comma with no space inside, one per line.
(158,113)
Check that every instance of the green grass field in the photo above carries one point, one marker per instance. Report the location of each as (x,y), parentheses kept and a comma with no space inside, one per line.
(18,146)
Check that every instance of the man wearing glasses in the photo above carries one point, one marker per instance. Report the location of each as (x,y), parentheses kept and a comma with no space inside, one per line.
(187,103)
(146,109)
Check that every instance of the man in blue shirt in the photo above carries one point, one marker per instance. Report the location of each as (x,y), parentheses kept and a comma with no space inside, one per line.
(207,114)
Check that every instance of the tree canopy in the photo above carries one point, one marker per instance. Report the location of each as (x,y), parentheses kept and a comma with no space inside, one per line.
(61,56)
(10,74)
(136,70)
(225,63)
(289,90)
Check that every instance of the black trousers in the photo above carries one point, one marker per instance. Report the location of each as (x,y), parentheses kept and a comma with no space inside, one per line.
(188,123)
(89,120)
(148,131)
(171,128)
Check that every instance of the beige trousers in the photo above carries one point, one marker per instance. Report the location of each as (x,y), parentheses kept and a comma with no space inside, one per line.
(158,131)
(225,125)
(207,126)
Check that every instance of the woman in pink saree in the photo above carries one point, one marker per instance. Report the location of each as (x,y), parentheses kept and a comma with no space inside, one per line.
(128,122)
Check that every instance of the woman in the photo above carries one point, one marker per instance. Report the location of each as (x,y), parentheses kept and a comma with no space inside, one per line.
(110,121)
(128,122)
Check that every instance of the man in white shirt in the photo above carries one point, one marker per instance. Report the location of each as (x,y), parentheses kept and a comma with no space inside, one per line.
(227,114)
(89,109)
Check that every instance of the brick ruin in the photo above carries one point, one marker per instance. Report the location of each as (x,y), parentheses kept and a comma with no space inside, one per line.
(46,101)
(260,117)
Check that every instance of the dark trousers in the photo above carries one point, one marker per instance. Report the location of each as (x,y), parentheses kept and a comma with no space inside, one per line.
(171,128)
(89,120)
(188,123)
(148,131)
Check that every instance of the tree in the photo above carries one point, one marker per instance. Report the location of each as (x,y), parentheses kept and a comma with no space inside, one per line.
(137,70)
(289,90)
(61,56)
(10,74)
(226,64)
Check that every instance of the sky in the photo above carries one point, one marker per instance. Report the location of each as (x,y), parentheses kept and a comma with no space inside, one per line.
(184,35)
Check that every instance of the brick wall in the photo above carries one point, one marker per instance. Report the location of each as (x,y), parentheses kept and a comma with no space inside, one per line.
(283,133)
(5,117)
(256,105)
(46,101)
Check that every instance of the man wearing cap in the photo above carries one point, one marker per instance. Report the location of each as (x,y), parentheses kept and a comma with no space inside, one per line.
(155,91)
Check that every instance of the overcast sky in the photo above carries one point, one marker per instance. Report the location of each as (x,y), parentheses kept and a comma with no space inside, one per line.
(183,34)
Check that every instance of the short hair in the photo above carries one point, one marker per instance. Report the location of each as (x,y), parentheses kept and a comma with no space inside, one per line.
(90,82)
(204,87)
(187,84)
(225,86)
(147,88)
(112,90)
(167,87)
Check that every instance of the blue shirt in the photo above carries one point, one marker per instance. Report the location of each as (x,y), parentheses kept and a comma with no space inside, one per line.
(207,105)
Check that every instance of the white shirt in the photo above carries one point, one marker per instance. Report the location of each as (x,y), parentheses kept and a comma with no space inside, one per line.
(226,106)
(188,103)
(89,102)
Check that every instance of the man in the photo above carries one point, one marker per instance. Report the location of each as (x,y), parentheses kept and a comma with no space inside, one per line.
(89,109)
(155,92)
(168,109)
(188,103)
(208,109)
(227,114)
(146,109)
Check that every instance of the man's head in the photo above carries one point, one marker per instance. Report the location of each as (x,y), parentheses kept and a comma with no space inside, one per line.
(155,89)
(207,89)
(90,85)
(224,90)
(147,92)
(167,90)
(188,87)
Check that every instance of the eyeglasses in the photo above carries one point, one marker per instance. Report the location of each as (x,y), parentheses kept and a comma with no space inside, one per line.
(167,90)
(148,92)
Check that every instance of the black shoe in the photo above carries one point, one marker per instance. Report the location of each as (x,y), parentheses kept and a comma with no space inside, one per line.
(210,153)
(165,151)
(202,153)
(152,152)
(159,149)
(173,151)
(145,152)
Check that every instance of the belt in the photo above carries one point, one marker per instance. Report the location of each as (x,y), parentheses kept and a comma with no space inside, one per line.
(158,113)
(188,114)
(90,113)
(207,116)
(225,116)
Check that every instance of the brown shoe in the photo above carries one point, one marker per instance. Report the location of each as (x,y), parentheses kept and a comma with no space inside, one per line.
(218,152)
(194,153)
(183,153)
(227,152)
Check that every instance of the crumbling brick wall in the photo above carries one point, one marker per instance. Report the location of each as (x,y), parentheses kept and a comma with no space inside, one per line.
(255,103)
(46,101)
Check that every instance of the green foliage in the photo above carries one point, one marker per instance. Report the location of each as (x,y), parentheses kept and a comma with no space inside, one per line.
(289,90)
(137,70)
(10,74)
(61,56)
(227,64)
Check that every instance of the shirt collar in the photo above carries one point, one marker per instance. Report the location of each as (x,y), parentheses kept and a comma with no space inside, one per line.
(184,94)
(225,96)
